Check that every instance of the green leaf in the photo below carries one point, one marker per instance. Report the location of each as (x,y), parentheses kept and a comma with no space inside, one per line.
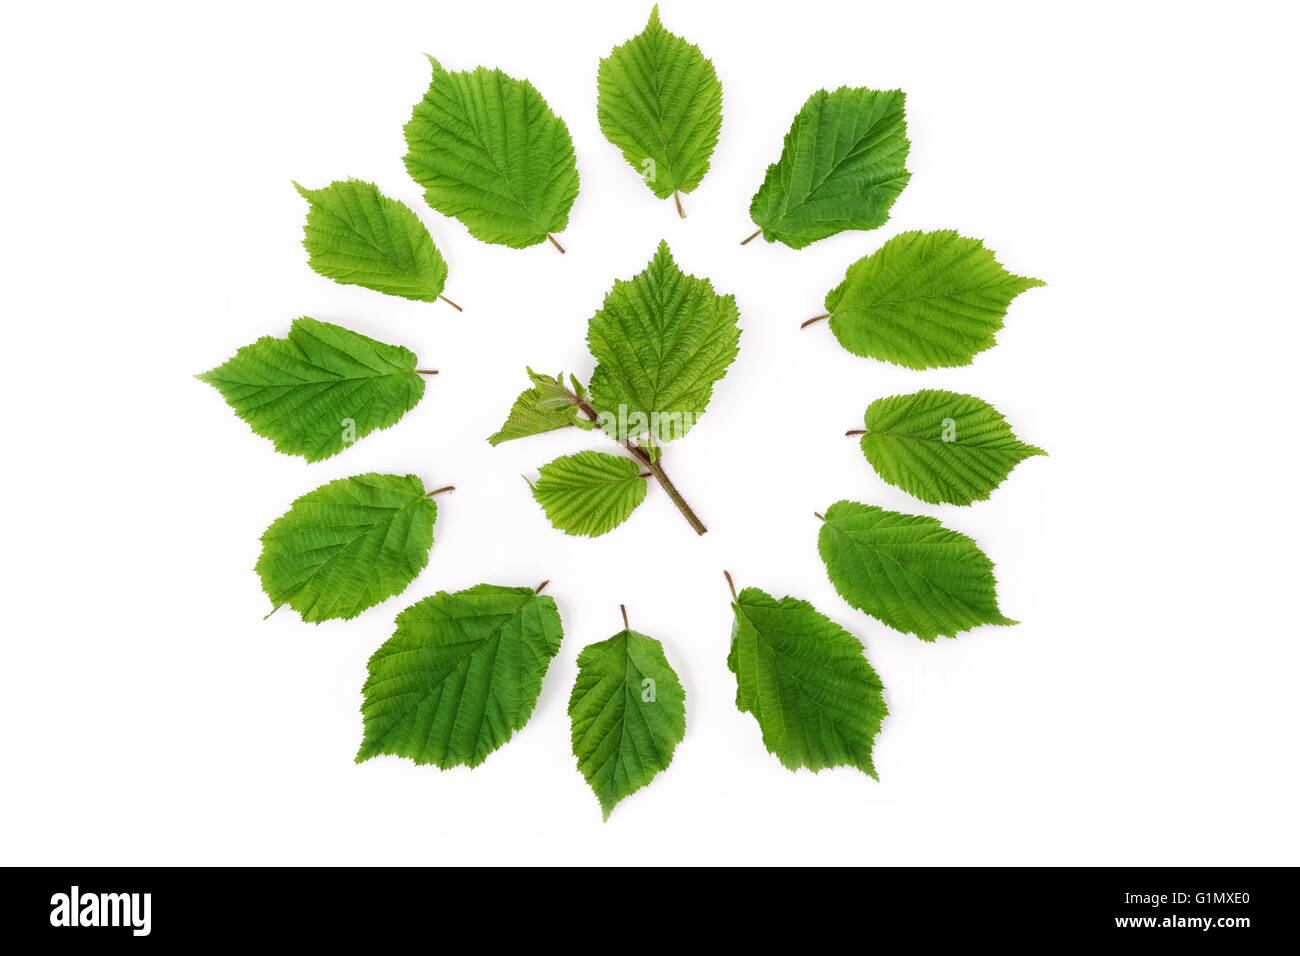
(941,446)
(659,101)
(358,236)
(804,678)
(908,571)
(459,676)
(348,545)
(842,167)
(489,151)
(538,410)
(629,713)
(924,300)
(589,493)
(319,389)
(661,341)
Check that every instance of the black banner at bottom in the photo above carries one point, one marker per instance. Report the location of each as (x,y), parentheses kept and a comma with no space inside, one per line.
(1223,907)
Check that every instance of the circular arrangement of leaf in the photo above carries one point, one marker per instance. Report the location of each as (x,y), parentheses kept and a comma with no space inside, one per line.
(463,671)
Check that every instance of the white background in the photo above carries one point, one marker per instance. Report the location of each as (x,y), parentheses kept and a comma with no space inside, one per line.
(1139,158)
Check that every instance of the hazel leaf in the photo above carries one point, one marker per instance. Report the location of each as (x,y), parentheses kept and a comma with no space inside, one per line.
(589,493)
(924,300)
(816,698)
(659,101)
(356,235)
(908,571)
(941,446)
(318,389)
(628,714)
(461,673)
(489,152)
(348,545)
(843,164)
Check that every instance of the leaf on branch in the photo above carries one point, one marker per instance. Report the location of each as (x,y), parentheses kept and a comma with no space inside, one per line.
(628,712)
(661,342)
(805,679)
(589,493)
(348,545)
(843,164)
(489,152)
(659,101)
(924,300)
(461,673)
(942,446)
(319,389)
(356,235)
(546,406)
(908,571)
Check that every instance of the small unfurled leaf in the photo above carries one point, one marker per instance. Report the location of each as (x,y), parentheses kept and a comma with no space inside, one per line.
(348,545)
(319,389)
(661,342)
(843,164)
(924,300)
(552,393)
(459,676)
(941,446)
(908,571)
(546,406)
(659,101)
(589,493)
(804,678)
(629,713)
(358,236)
(489,152)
